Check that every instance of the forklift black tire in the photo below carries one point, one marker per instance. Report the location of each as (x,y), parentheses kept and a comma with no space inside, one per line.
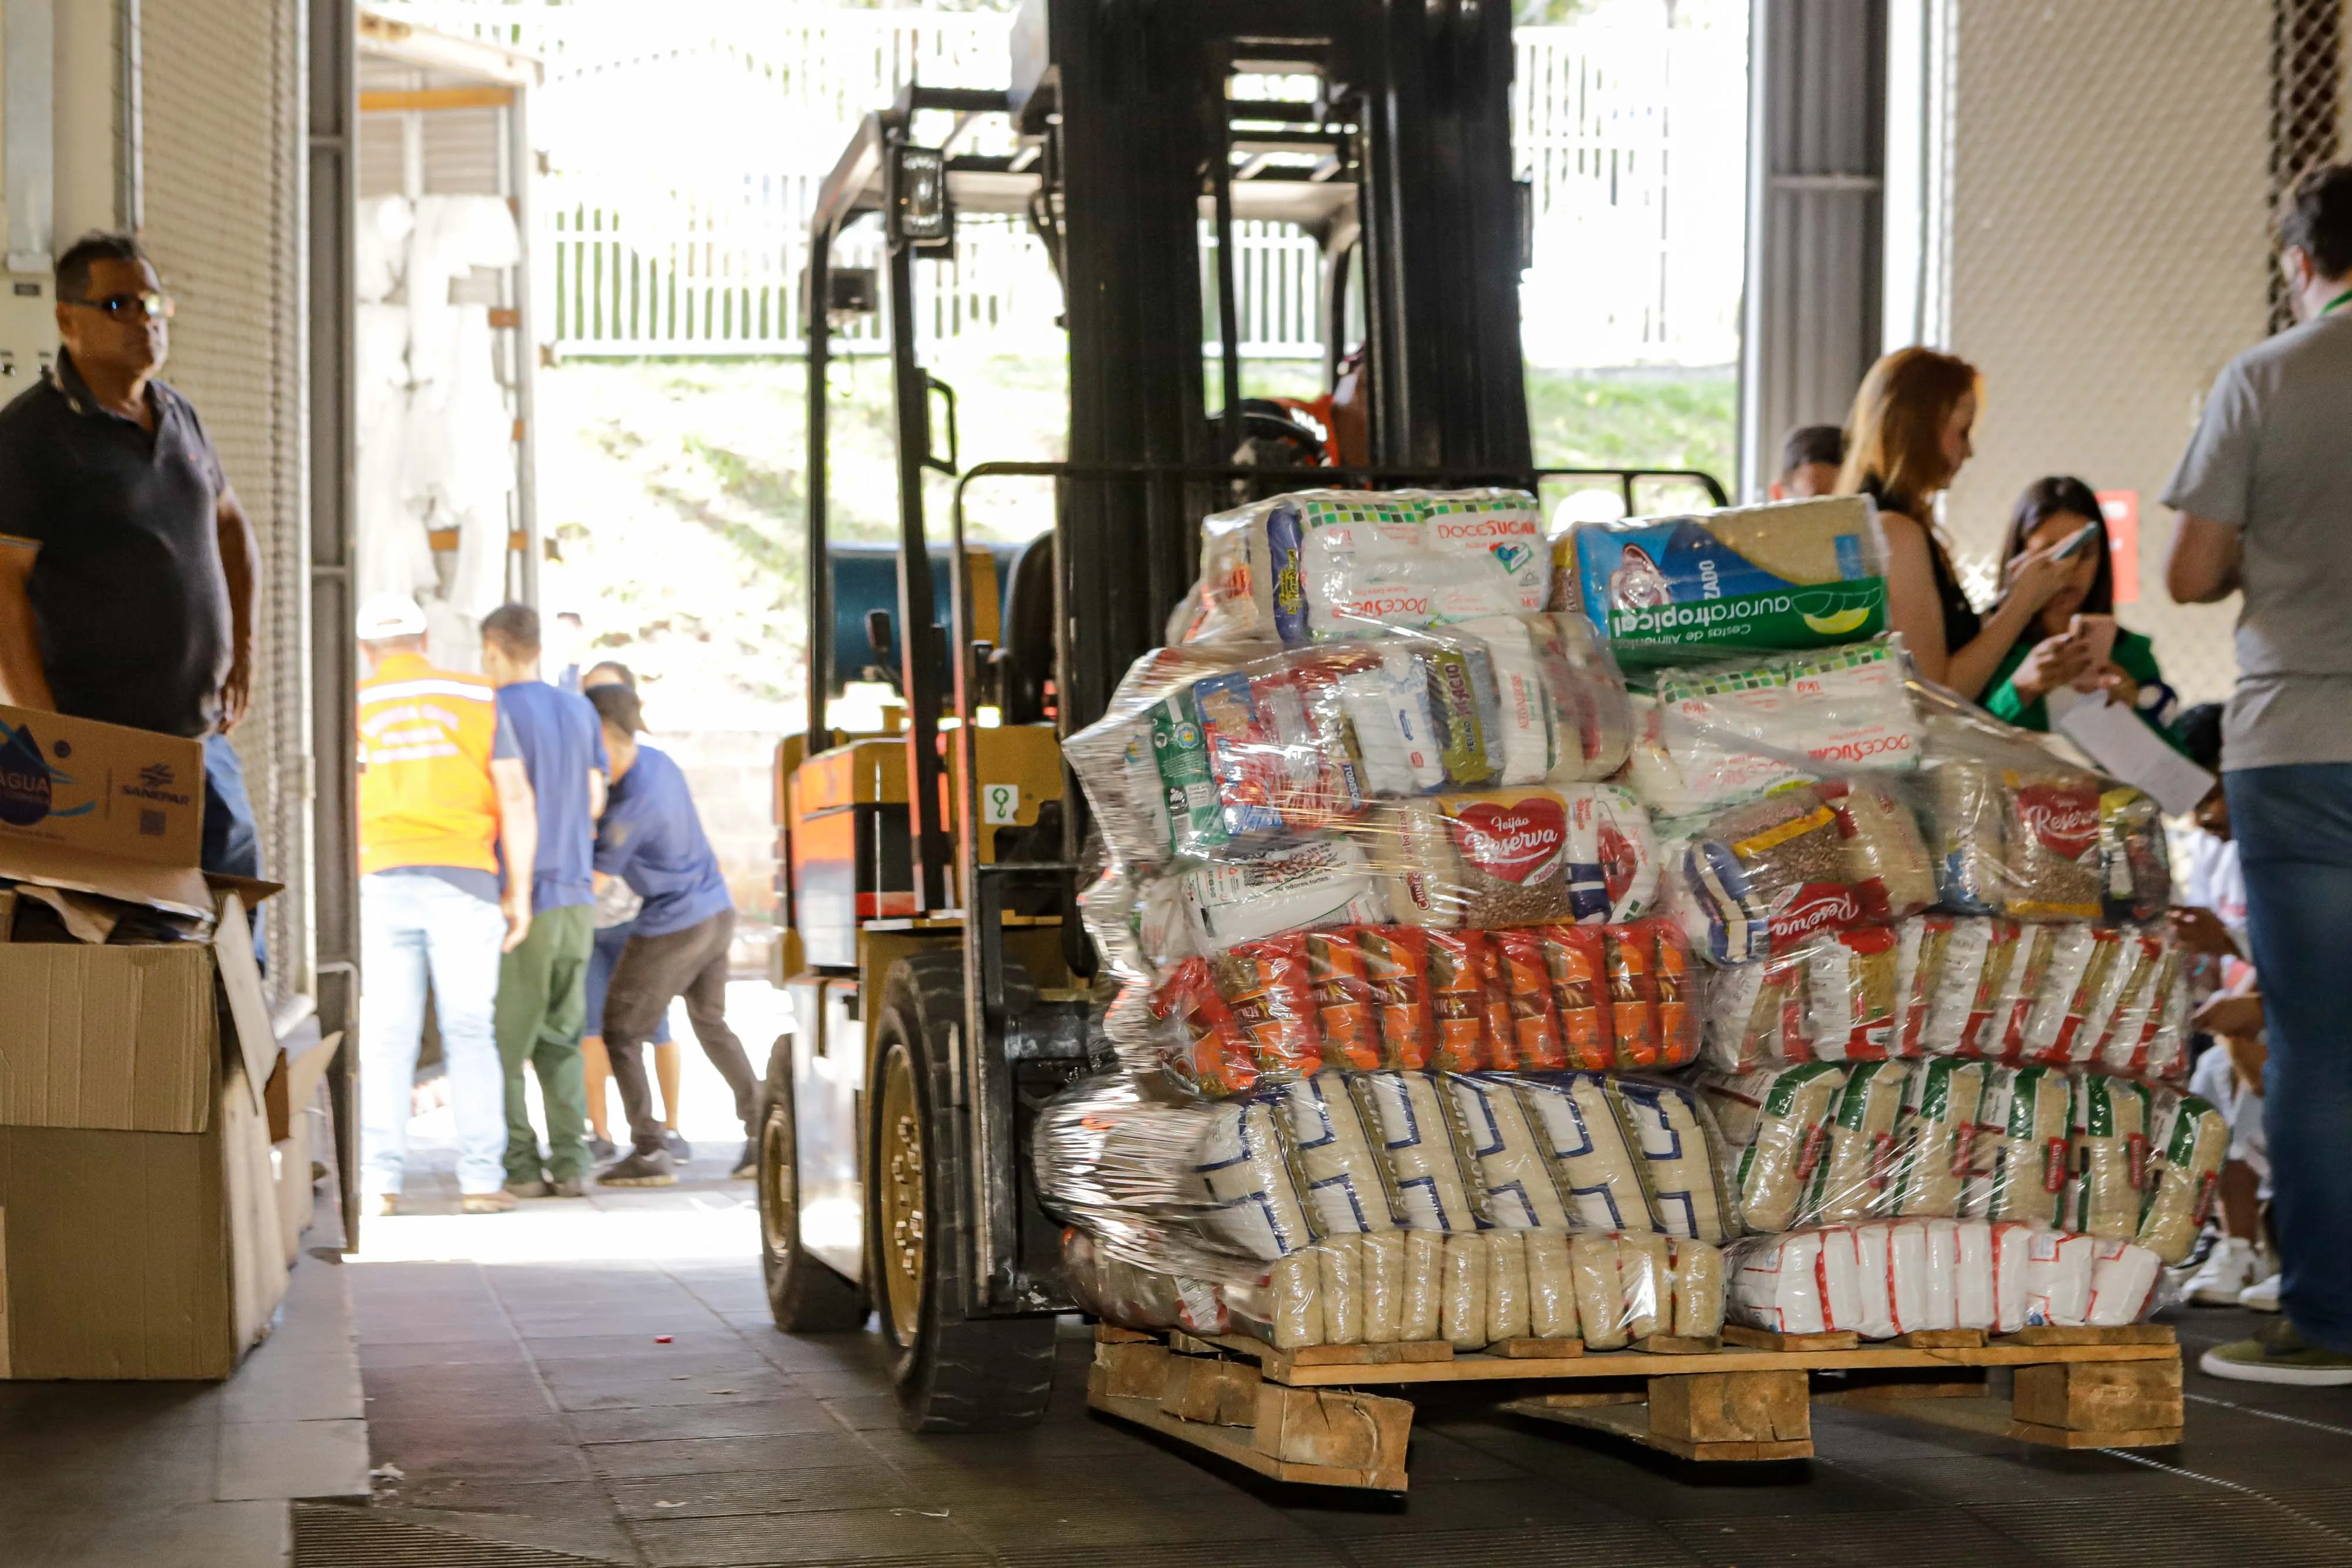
(804,1295)
(952,1374)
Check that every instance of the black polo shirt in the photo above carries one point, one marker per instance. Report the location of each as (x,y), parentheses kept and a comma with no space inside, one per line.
(127,588)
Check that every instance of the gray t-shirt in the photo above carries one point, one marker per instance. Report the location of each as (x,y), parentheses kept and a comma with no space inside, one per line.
(2272,457)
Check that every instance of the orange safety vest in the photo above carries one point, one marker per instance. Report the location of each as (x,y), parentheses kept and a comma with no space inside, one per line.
(425,796)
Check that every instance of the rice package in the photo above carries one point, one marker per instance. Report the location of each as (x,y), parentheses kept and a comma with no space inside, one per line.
(1320,885)
(1345,1182)
(2189,1141)
(1681,1165)
(1854,1179)
(1416,1118)
(1936,1135)
(1516,858)
(1775,1123)
(1258,1210)
(1520,1193)
(1551,1289)
(2023,1138)
(1795,574)
(2110,1157)
(1463,1310)
(1593,1164)
(1763,877)
(1695,1274)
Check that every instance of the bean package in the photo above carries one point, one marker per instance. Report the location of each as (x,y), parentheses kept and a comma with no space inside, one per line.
(1460,991)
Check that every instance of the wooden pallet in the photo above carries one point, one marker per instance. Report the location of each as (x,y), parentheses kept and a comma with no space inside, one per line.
(1305,1415)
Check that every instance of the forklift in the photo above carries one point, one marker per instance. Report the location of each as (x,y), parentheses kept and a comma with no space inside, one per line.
(941,986)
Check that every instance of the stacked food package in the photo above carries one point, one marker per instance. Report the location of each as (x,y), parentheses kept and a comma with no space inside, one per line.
(1465,993)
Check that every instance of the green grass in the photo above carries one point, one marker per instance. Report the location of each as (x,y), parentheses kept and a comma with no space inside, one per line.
(676,491)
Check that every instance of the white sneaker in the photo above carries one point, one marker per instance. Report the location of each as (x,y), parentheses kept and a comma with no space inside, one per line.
(2261,1298)
(2229,1269)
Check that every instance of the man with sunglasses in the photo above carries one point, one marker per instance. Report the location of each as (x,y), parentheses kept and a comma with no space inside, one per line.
(127,567)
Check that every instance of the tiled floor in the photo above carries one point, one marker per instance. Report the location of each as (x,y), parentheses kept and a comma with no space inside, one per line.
(531,1404)
(188,1475)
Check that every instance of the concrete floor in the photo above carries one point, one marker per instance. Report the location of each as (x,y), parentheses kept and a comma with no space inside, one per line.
(525,1412)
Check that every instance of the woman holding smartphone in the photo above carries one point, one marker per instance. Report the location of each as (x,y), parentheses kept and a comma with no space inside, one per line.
(2072,640)
(1909,434)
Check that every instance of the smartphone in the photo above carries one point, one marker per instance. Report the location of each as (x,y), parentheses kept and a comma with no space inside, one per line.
(2098,633)
(2077,542)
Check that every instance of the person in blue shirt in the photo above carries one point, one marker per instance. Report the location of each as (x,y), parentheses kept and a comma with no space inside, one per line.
(542,982)
(651,838)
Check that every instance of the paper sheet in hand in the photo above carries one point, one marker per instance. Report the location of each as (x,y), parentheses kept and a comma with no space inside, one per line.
(2122,745)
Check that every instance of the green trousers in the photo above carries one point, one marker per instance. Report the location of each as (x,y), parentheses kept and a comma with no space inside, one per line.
(542,1002)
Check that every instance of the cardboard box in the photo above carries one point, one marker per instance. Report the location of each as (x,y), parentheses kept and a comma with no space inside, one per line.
(131,1039)
(96,807)
(138,1254)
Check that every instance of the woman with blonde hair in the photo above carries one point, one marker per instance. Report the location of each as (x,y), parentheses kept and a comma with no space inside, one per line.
(1905,441)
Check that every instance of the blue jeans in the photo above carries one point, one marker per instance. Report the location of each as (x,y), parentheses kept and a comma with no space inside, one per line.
(231,844)
(2294,828)
(413,929)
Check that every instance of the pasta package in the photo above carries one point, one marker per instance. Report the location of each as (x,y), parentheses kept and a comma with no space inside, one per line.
(1396,969)
(1967,812)
(1852,994)
(1855,1178)
(1213,1050)
(1345,1007)
(1577,959)
(1935,1136)
(1976,962)
(1754,1014)
(2110,1157)
(1265,985)
(1682,1167)
(1594,1167)
(2076,968)
(1762,878)
(2002,1036)
(2024,1131)
(1886,861)
(1921,943)
(1775,1123)
(1530,1041)
(1464,1000)
(1794,574)
(2135,872)
(1318,885)
(2190,1141)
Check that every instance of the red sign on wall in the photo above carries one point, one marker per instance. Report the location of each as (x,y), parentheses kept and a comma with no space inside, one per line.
(2121,509)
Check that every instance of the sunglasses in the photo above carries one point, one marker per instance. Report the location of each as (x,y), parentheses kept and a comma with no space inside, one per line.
(147,303)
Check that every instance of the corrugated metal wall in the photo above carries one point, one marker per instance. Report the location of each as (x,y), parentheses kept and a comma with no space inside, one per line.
(2108,254)
(222,97)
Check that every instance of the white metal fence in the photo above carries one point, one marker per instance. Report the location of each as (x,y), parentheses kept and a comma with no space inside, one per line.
(682,161)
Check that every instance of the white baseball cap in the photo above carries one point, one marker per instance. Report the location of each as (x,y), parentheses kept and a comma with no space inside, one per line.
(388,615)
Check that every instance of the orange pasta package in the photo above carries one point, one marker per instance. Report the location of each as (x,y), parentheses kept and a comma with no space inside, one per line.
(1396,960)
(1343,1001)
(1266,985)
(1679,1018)
(1216,1050)
(1534,1040)
(1458,1000)
(1633,970)
(1576,959)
